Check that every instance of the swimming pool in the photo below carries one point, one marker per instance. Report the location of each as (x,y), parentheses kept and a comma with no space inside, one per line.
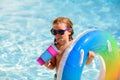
(24,32)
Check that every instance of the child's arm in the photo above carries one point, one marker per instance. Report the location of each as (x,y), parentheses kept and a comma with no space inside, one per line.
(90,57)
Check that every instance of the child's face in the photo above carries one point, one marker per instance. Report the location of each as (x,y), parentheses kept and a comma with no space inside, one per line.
(64,38)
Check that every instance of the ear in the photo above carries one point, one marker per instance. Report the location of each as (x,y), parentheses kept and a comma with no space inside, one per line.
(69,32)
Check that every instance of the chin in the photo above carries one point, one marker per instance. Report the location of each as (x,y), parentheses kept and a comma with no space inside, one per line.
(61,43)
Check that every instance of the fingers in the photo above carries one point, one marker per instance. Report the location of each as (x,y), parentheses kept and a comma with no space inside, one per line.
(91,54)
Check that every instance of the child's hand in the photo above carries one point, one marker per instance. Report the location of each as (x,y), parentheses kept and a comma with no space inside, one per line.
(91,54)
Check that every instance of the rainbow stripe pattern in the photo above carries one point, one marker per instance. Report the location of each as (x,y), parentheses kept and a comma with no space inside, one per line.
(75,56)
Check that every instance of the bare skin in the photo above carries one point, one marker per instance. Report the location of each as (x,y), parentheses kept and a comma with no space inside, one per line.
(63,42)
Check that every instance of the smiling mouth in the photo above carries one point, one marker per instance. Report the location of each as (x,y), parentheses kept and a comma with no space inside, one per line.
(57,40)
(60,42)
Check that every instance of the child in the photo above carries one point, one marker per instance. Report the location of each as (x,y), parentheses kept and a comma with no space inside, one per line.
(63,30)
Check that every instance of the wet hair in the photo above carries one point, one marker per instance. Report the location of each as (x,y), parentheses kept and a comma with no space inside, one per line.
(68,22)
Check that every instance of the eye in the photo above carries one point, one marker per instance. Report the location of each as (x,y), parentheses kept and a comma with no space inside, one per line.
(53,32)
(61,32)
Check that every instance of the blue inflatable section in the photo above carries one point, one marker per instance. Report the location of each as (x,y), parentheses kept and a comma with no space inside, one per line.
(72,68)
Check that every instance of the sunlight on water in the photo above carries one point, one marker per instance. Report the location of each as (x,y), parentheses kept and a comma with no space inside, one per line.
(24,32)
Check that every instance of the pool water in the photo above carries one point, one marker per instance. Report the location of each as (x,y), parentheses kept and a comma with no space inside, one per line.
(25,32)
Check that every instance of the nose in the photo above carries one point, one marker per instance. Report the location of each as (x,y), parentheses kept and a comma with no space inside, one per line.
(58,36)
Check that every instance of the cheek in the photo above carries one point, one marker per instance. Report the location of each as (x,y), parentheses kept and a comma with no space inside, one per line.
(66,36)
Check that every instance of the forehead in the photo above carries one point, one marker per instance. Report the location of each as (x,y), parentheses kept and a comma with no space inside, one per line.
(59,26)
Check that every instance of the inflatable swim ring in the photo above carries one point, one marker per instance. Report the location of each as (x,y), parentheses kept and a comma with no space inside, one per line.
(75,56)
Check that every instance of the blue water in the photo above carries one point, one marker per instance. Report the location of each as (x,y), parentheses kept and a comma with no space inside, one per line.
(24,32)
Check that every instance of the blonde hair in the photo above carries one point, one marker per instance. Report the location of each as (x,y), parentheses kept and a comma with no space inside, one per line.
(68,22)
